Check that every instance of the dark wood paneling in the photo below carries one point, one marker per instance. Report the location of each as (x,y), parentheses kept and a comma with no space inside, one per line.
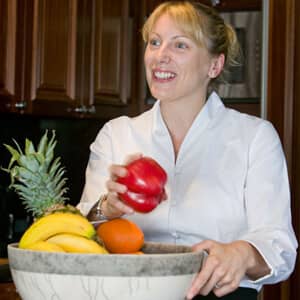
(114,52)
(6,87)
(222,5)
(53,70)
(12,62)
(282,111)
(295,278)
(248,108)
(234,5)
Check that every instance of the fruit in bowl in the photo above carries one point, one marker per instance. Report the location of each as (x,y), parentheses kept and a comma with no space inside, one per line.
(38,179)
(121,236)
(60,257)
(145,182)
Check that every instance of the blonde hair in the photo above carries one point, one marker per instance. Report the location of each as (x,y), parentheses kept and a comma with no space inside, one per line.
(201,23)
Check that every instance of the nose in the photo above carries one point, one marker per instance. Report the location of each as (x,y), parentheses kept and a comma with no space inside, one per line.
(163,54)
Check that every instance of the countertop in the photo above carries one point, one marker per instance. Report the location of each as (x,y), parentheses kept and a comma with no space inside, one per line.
(7,287)
(3,261)
(5,275)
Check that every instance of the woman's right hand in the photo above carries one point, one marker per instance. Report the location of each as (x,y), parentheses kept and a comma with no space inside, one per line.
(113,206)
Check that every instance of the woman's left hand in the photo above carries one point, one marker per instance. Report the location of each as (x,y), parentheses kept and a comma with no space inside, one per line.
(224,267)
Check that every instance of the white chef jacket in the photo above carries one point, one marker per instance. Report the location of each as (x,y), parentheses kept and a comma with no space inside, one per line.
(229,182)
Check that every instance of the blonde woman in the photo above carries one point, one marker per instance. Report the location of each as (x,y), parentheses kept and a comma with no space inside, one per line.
(227,189)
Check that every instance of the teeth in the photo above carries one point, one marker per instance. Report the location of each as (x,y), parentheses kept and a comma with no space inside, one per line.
(164,75)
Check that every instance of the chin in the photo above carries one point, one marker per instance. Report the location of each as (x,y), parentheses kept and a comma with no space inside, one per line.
(162,96)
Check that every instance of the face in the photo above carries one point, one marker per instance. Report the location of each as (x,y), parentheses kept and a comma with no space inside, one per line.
(176,67)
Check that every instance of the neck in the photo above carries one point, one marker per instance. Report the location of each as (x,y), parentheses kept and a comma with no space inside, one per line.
(179,117)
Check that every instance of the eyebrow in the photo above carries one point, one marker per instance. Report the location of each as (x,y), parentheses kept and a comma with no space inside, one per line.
(174,37)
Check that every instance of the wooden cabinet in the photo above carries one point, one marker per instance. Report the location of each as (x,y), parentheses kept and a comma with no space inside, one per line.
(38,61)
(221,5)
(77,58)
(68,58)
(52,73)
(114,57)
(11,62)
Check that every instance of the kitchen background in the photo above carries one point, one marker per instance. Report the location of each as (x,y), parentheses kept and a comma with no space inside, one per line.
(71,65)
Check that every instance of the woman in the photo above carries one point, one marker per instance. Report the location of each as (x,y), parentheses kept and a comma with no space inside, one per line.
(227,188)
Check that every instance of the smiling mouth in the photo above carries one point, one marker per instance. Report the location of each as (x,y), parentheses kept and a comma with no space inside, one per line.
(160,75)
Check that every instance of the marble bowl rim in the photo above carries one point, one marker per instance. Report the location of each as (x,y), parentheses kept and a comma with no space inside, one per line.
(148,264)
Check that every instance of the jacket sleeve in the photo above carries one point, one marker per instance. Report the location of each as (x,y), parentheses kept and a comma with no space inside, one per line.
(267,198)
(97,172)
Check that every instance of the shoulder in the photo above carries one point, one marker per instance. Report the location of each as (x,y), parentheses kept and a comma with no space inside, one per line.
(251,130)
(231,124)
(231,120)
(125,124)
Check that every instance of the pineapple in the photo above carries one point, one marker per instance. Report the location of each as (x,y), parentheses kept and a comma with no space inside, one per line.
(38,178)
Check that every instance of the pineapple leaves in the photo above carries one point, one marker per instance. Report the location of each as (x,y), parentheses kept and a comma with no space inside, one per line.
(29,148)
(43,143)
(14,155)
(36,176)
(29,161)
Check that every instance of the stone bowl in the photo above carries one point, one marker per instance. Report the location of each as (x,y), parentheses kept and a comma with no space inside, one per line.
(164,272)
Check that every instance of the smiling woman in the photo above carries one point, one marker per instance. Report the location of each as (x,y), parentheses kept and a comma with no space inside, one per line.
(227,190)
(172,57)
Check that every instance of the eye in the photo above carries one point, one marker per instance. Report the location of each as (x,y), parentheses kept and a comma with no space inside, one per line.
(181,45)
(154,42)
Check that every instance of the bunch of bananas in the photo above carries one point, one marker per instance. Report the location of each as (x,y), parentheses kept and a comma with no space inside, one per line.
(61,232)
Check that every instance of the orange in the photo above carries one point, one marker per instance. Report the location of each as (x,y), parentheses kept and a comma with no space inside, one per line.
(121,236)
(138,253)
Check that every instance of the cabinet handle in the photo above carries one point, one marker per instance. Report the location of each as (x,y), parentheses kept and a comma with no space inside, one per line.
(91,109)
(215,2)
(20,105)
(85,110)
(81,109)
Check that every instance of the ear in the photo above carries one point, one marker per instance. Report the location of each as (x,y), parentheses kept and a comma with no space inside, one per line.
(217,65)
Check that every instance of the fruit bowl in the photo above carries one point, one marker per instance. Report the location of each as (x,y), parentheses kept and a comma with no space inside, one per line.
(162,272)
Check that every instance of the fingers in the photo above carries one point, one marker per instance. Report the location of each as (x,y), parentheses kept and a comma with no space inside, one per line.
(117,171)
(221,272)
(115,187)
(114,207)
(206,280)
(120,170)
(223,288)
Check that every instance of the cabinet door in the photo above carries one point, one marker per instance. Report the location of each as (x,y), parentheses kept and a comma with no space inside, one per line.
(12,14)
(51,76)
(115,36)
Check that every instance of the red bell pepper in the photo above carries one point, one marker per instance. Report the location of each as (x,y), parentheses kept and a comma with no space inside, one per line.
(145,181)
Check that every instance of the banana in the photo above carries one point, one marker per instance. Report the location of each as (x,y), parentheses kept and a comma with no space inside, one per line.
(76,244)
(55,223)
(45,246)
